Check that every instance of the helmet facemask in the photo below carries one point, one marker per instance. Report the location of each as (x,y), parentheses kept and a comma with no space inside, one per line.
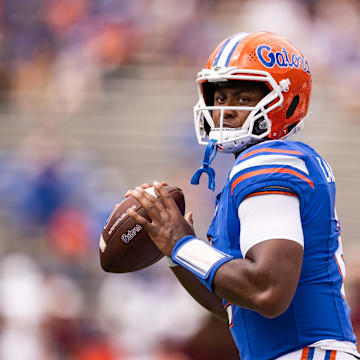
(257,125)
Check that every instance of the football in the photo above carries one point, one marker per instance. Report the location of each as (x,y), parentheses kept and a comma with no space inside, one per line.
(124,245)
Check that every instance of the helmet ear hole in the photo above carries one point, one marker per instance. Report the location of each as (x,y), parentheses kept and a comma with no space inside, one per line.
(291,109)
(259,125)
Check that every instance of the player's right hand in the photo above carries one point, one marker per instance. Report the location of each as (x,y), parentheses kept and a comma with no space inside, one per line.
(188,216)
(166,225)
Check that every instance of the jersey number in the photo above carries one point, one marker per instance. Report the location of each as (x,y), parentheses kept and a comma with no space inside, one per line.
(329,175)
(339,258)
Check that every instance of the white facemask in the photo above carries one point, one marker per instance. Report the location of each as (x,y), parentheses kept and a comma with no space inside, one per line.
(256,126)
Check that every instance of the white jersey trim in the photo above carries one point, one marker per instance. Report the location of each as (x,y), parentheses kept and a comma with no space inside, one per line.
(271,216)
(344,351)
(261,160)
(332,344)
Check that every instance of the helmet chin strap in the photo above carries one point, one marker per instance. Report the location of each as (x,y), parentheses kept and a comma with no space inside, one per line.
(231,146)
(211,148)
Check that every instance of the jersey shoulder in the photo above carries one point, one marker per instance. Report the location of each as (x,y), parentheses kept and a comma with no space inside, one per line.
(277,166)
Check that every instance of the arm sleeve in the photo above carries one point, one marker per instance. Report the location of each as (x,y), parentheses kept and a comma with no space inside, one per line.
(270,216)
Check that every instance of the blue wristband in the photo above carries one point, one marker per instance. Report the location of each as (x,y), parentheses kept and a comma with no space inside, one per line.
(200,258)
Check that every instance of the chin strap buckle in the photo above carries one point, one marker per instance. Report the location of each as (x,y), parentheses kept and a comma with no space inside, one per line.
(208,158)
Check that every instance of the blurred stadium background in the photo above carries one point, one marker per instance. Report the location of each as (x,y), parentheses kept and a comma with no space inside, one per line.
(96,97)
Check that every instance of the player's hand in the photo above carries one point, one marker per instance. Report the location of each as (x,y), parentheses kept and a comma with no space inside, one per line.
(144,186)
(167,224)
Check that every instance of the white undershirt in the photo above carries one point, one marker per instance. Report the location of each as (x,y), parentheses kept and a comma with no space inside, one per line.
(270,216)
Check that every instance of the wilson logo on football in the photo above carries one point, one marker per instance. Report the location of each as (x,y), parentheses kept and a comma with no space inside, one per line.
(126,238)
(281,58)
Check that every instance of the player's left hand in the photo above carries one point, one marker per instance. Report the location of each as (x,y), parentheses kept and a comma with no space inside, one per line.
(167,224)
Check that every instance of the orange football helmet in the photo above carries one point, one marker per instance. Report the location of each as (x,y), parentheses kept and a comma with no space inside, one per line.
(258,56)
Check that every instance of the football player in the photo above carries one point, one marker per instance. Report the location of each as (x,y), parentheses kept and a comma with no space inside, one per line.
(273,268)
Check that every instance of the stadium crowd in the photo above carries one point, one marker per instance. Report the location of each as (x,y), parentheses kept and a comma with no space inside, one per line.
(45,42)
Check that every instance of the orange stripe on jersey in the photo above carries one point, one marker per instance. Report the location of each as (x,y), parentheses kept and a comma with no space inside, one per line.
(270,192)
(333,355)
(269,171)
(293,152)
(305,353)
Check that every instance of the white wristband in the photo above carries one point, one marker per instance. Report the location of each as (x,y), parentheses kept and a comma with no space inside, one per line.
(170,262)
(199,256)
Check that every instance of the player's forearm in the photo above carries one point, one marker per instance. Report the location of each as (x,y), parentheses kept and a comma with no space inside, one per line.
(238,282)
(262,286)
(260,282)
(200,293)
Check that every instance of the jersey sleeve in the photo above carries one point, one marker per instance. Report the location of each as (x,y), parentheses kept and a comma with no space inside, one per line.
(274,167)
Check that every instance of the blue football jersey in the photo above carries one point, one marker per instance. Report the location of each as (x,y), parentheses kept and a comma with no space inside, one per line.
(319,309)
